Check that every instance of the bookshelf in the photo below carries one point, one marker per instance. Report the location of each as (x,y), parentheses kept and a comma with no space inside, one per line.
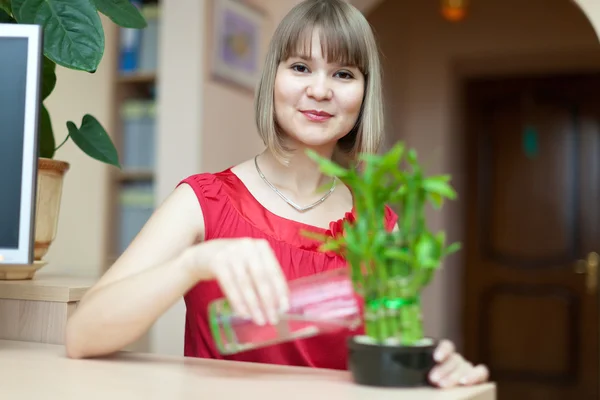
(131,189)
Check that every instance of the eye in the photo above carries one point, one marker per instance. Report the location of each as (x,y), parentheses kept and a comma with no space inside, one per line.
(344,75)
(299,68)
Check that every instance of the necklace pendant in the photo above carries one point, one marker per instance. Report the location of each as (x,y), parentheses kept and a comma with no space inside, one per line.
(290,202)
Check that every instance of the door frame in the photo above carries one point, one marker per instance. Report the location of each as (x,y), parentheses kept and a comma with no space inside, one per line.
(464,69)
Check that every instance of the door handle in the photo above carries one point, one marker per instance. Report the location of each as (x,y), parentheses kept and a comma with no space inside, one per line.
(589,267)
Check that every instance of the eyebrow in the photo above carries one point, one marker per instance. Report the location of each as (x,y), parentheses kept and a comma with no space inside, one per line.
(337,64)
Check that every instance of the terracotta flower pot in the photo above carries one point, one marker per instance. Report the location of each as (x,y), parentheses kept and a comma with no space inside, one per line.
(49,192)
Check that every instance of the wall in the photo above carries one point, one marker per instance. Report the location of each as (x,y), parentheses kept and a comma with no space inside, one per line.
(80,243)
(229,115)
(422,55)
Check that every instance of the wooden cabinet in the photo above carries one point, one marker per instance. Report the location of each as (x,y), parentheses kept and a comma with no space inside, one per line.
(37,310)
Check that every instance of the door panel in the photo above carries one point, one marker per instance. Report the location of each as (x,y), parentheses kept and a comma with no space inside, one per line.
(533,168)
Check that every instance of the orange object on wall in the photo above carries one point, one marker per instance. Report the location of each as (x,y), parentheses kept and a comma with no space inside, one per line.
(454,10)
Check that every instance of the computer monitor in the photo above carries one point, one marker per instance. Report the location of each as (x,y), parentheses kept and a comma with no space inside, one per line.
(20,83)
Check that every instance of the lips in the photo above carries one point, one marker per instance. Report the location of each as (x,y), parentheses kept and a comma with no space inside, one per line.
(316,115)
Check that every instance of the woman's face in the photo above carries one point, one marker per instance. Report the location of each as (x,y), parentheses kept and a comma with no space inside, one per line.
(316,102)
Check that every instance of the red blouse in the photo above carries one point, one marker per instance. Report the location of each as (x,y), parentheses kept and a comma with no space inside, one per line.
(230,210)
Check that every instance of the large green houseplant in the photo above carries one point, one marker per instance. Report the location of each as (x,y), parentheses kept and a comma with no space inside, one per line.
(390,268)
(73,38)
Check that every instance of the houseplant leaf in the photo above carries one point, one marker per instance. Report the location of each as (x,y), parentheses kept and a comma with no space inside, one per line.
(47,143)
(427,253)
(453,248)
(73,33)
(327,166)
(94,141)
(5,6)
(48,77)
(122,13)
(439,185)
(5,17)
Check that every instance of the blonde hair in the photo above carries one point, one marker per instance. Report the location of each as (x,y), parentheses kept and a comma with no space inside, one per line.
(346,38)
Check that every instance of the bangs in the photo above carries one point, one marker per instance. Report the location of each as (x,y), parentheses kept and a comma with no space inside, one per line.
(341,42)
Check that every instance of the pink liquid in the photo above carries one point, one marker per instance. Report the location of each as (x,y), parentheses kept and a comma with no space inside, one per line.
(321,303)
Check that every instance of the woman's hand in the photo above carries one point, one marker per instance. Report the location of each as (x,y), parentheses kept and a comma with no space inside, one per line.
(453,370)
(249,275)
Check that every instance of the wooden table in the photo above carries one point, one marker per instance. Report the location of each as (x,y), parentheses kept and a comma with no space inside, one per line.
(41,371)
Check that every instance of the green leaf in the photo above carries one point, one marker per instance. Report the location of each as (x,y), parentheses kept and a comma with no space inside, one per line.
(453,248)
(437,200)
(94,141)
(314,235)
(5,17)
(46,141)
(48,77)
(332,245)
(412,157)
(5,6)
(439,186)
(426,252)
(122,13)
(398,254)
(73,33)
(393,157)
(327,166)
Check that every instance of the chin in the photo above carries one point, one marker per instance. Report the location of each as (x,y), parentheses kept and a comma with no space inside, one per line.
(316,139)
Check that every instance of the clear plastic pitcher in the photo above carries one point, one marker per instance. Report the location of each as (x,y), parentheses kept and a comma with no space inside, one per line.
(321,303)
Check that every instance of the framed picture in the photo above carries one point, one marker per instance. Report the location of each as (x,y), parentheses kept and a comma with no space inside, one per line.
(237,35)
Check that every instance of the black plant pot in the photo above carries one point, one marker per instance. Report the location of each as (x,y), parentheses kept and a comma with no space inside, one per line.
(390,365)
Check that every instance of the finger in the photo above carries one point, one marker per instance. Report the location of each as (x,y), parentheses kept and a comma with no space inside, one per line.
(259,275)
(442,371)
(454,377)
(245,286)
(475,375)
(277,278)
(444,349)
(226,279)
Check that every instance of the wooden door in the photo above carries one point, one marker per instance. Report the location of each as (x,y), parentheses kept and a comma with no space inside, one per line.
(533,219)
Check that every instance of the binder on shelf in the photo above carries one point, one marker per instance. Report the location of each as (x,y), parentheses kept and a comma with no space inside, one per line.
(136,205)
(139,134)
(129,47)
(138,51)
(148,61)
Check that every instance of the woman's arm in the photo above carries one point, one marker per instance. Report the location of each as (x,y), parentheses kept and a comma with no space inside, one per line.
(149,277)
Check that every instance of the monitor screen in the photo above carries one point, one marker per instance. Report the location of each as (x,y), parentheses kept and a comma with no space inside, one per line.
(20,52)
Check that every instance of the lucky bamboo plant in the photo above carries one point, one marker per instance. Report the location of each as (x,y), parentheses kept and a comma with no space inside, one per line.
(390,268)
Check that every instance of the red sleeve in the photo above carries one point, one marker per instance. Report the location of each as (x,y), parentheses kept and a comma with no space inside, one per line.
(209,191)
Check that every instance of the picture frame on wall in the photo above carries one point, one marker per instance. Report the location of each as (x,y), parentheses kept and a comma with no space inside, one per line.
(237,34)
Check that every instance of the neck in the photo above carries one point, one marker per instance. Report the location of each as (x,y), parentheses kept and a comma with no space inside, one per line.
(301,175)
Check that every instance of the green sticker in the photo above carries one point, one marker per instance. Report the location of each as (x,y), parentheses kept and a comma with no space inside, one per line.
(530,142)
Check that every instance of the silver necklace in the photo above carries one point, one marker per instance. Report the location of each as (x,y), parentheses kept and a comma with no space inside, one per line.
(287,200)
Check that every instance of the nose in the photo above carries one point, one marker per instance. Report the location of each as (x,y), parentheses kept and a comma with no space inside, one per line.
(319,88)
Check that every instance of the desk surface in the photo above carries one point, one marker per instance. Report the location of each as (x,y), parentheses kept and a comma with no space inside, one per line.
(40,371)
(47,287)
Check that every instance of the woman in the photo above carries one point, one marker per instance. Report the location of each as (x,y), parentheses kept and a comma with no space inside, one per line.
(236,233)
